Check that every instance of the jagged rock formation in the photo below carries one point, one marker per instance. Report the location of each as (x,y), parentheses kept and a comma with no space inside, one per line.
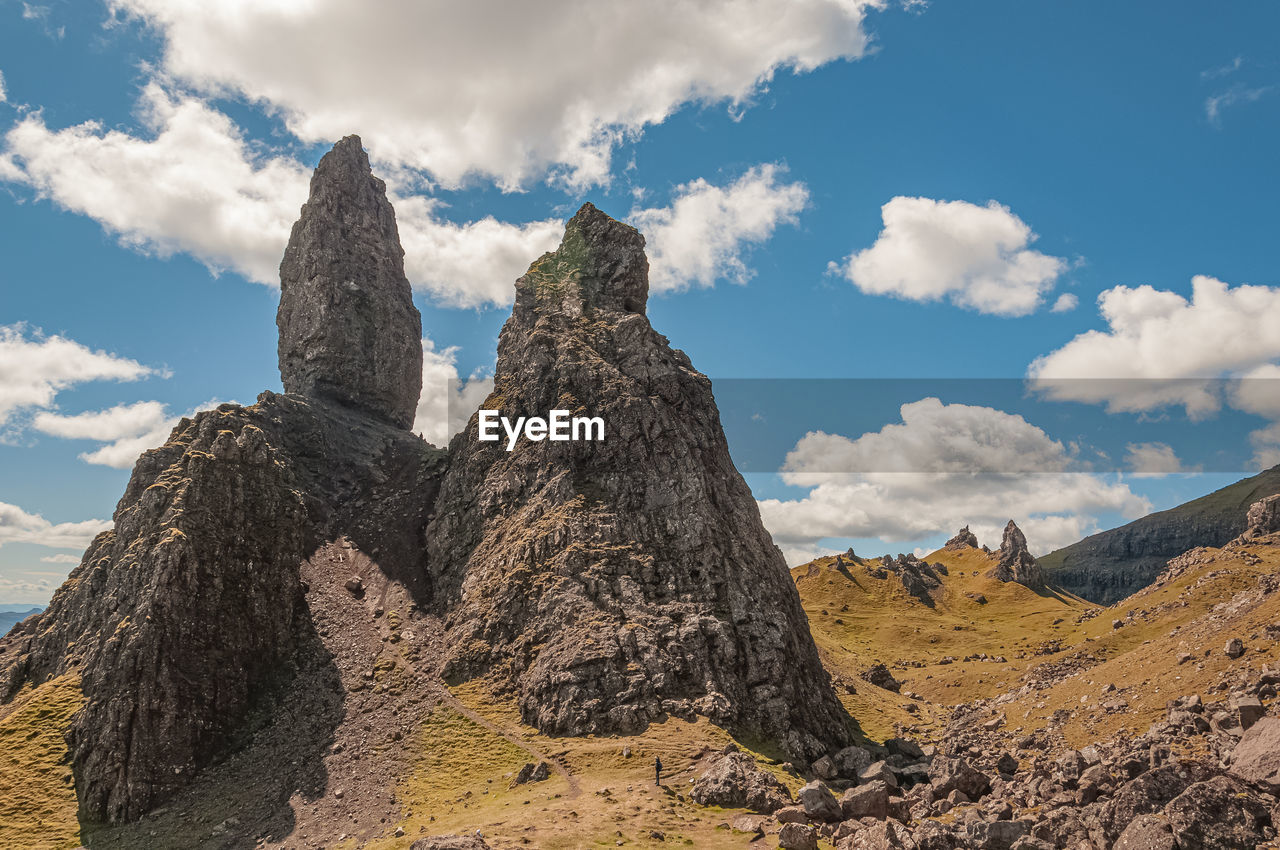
(1263,518)
(918,577)
(348,328)
(1111,565)
(1016,562)
(964,539)
(608,584)
(190,611)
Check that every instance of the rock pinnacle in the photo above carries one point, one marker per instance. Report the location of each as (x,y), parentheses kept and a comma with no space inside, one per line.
(349,331)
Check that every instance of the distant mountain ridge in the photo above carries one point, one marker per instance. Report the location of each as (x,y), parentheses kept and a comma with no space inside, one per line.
(8,619)
(1108,566)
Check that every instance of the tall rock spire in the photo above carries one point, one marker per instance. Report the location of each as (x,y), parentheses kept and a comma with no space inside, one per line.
(1016,561)
(349,331)
(610,584)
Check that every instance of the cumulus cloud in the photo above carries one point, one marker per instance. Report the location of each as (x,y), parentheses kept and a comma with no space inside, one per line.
(976,256)
(1161,349)
(942,467)
(18,526)
(1066,302)
(932,437)
(469,265)
(1152,459)
(703,235)
(195,186)
(446,403)
(127,430)
(34,368)
(4,94)
(493,88)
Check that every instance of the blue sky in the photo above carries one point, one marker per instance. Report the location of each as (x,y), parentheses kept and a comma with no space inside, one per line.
(944,191)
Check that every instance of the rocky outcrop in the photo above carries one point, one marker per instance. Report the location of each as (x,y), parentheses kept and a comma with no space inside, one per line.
(1111,565)
(1263,518)
(732,779)
(964,539)
(610,584)
(1016,562)
(190,612)
(919,578)
(450,842)
(349,331)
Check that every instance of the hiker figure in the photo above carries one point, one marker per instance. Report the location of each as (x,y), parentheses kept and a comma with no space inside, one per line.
(657,771)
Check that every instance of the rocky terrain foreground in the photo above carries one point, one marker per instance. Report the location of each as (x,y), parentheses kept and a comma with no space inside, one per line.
(311,629)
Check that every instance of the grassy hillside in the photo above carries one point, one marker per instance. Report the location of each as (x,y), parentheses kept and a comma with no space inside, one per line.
(1110,565)
(858,620)
(37,797)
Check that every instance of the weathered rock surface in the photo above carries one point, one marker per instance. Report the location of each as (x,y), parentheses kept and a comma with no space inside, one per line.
(819,803)
(1221,813)
(1256,758)
(190,612)
(450,842)
(609,584)
(349,331)
(1016,562)
(1147,832)
(919,578)
(734,780)
(964,539)
(797,836)
(1263,518)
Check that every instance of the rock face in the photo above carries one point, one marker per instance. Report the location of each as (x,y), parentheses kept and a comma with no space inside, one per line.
(919,578)
(1111,565)
(1263,518)
(1016,563)
(734,780)
(964,539)
(190,612)
(348,329)
(609,584)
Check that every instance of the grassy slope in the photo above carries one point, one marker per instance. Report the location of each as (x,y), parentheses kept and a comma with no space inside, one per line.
(1196,612)
(857,621)
(37,798)
(462,779)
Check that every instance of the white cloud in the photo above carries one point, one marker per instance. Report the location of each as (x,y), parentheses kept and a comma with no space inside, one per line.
(127,430)
(123,420)
(1223,70)
(942,467)
(34,368)
(1066,302)
(195,187)
(61,558)
(1152,459)
(703,234)
(446,403)
(1215,104)
(508,91)
(473,264)
(932,437)
(4,95)
(18,526)
(978,257)
(1160,349)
